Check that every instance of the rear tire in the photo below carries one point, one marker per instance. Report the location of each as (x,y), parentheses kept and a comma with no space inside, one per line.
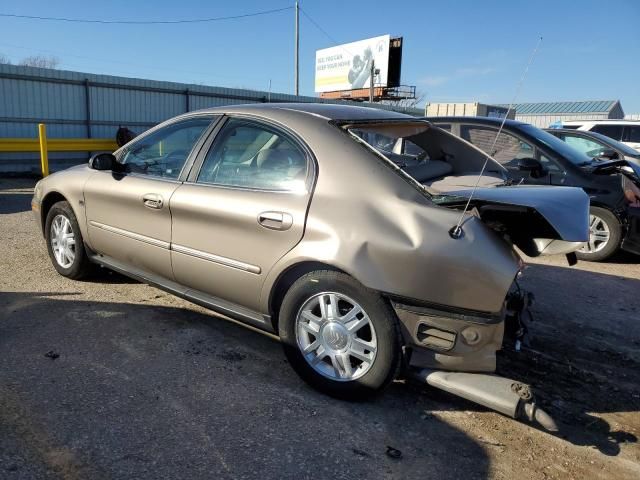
(605,235)
(339,336)
(64,242)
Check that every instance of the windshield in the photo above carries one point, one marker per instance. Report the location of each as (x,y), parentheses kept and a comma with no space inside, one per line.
(626,149)
(555,144)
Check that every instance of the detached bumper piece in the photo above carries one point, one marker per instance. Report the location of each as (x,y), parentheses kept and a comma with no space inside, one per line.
(503,395)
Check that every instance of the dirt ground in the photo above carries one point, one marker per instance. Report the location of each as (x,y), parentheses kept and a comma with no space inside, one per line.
(109,378)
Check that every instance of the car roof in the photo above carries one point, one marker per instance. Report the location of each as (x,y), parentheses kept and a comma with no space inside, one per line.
(477,120)
(327,111)
(601,122)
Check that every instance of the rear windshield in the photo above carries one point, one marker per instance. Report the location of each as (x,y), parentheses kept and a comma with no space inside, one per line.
(556,145)
(391,140)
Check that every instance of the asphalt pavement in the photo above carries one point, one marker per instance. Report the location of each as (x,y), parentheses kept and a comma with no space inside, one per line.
(110,378)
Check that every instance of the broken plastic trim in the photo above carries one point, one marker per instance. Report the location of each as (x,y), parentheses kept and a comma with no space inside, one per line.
(506,396)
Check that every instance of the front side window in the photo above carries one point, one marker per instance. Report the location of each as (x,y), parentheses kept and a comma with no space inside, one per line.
(611,131)
(584,145)
(164,152)
(250,155)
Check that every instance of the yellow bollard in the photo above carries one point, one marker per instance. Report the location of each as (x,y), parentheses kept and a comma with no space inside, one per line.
(44,158)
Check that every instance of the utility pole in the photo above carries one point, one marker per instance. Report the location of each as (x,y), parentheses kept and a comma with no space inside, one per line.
(297,47)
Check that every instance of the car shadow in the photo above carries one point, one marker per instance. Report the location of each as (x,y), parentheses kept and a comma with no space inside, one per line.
(11,202)
(104,389)
(622,257)
(583,355)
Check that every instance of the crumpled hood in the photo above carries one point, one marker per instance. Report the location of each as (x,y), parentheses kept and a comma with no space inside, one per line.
(626,167)
(565,210)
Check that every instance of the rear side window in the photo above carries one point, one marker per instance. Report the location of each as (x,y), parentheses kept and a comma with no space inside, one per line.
(507,148)
(251,155)
(632,133)
(611,131)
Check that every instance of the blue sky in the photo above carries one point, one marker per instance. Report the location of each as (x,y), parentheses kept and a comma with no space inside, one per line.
(453,51)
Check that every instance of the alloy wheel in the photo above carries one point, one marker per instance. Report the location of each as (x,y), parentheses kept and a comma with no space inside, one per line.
(599,235)
(63,243)
(336,336)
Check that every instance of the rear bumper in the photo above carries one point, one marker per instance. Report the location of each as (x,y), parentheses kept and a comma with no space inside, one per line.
(631,240)
(443,340)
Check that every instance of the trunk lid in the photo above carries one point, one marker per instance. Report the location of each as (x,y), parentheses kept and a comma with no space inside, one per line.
(538,219)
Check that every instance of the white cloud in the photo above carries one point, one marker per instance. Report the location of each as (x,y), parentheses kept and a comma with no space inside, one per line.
(434,81)
(474,71)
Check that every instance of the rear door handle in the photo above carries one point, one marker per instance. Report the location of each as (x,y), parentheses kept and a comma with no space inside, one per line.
(152,200)
(275,220)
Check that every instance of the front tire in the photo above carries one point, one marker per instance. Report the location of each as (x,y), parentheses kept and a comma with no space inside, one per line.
(64,242)
(339,336)
(605,235)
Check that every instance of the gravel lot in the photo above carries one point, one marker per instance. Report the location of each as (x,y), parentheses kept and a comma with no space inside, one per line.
(110,378)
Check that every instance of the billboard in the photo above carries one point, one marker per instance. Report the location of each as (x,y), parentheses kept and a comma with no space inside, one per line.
(348,66)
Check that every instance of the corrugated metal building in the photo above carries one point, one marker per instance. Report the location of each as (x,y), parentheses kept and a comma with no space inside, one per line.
(544,114)
(474,109)
(84,105)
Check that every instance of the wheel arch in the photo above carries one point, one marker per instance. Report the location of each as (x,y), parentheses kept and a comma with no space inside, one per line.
(49,200)
(616,212)
(288,278)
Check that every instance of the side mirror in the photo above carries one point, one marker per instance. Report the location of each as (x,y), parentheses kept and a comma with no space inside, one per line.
(103,161)
(531,165)
(608,153)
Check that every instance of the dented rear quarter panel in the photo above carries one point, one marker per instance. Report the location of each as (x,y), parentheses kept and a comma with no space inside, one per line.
(368,221)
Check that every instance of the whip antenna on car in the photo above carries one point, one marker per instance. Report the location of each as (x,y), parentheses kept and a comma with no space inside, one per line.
(456,232)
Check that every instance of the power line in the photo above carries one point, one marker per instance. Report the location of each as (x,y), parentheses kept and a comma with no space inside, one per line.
(63,55)
(145,22)
(317,25)
(324,32)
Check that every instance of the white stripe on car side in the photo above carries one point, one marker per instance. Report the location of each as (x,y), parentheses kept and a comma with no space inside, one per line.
(228,262)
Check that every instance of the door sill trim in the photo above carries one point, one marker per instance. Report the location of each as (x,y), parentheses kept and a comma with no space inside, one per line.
(218,305)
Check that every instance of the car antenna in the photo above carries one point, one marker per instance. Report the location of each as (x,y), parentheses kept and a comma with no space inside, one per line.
(456,232)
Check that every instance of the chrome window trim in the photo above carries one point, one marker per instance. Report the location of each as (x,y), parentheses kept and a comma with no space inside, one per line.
(136,236)
(143,176)
(248,189)
(228,262)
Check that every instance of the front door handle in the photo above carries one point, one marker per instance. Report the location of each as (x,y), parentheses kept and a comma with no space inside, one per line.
(275,220)
(152,200)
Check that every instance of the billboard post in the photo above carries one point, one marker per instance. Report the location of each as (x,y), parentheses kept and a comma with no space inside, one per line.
(297,48)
